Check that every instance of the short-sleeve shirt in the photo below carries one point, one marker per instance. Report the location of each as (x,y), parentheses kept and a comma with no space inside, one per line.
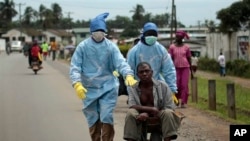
(194,61)
(53,46)
(180,55)
(222,61)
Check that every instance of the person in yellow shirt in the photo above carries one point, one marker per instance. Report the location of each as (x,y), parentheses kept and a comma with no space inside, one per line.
(45,48)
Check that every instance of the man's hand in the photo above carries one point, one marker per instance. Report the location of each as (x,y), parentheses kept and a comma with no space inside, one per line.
(130,81)
(154,111)
(80,90)
(142,117)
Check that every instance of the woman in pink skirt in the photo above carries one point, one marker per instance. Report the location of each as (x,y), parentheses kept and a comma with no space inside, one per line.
(181,55)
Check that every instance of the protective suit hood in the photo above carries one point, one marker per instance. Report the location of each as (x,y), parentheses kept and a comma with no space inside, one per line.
(98,23)
(149,26)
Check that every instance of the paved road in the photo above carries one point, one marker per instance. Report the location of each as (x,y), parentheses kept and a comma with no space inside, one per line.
(39,107)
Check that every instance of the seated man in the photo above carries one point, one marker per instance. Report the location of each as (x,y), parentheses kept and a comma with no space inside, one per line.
(150,98)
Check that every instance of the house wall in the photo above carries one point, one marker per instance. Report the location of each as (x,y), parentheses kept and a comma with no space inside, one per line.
(80,34)
(49,35)
(2,44)
(62,41)
(228,44)
(11,34)
(80,37)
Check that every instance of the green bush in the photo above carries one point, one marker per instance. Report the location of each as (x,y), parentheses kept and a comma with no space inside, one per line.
(239,68)
(208,64)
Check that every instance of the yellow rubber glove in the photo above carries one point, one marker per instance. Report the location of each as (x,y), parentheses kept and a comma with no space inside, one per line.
(130,81)
(80,90)
(176,101)
(116,74)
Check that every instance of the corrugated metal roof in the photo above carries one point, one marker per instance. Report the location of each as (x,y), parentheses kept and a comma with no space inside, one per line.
(77,30)
(31,32)
(59,32)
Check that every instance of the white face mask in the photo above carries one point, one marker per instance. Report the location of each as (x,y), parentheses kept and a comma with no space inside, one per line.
(98,36)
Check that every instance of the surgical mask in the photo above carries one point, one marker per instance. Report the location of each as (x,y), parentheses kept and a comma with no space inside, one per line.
(150,40)
(98,35)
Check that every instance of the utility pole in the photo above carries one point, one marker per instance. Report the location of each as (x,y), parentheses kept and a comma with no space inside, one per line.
(173,21)
(199,24)
(69,13)
(20,18)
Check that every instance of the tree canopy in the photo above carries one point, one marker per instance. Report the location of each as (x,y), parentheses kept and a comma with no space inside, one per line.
(234,17)
(7,12)
(53,17)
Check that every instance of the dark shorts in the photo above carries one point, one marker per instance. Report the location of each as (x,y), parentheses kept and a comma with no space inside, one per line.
(194,68)
(45,53)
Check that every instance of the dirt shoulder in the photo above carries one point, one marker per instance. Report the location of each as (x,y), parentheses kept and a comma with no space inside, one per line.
(203,126)
(237,80)
(198,125)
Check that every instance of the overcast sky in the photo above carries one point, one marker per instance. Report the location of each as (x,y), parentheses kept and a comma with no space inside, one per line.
(189,12)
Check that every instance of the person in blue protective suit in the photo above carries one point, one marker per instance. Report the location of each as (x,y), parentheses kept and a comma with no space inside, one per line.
(91,73)
(148,49)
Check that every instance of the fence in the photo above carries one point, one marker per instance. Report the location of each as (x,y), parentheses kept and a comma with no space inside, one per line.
(212,96)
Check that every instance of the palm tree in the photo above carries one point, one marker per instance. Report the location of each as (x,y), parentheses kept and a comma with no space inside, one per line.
(45,17)
(161,20)
(7,12)
(48,19)
(29,14)
(57,13)
(147,17)
(210,25)
(138,15)
(41,14)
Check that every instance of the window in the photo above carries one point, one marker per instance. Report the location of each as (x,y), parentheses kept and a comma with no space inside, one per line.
(82,35)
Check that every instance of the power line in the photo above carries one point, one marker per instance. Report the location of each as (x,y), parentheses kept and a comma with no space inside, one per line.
(20,9)
(69,13)
(20,16)
(173,21)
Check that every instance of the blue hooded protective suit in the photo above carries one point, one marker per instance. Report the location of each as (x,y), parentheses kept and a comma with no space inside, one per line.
(99,22)
(157,56)
(93,65)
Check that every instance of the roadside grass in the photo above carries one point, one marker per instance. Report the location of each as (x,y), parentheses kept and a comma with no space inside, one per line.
(242,100)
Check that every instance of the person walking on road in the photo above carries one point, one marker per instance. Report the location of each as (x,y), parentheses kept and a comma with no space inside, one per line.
(222,63)
(8,48)
(91,73)
(194,63)
(45,49)
(53,48)
(148,49)
(181,56)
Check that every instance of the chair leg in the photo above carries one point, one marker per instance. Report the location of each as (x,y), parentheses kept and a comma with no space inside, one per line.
(155,136)
(144,132)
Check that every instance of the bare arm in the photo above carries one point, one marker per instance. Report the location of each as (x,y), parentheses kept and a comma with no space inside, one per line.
(146,109)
